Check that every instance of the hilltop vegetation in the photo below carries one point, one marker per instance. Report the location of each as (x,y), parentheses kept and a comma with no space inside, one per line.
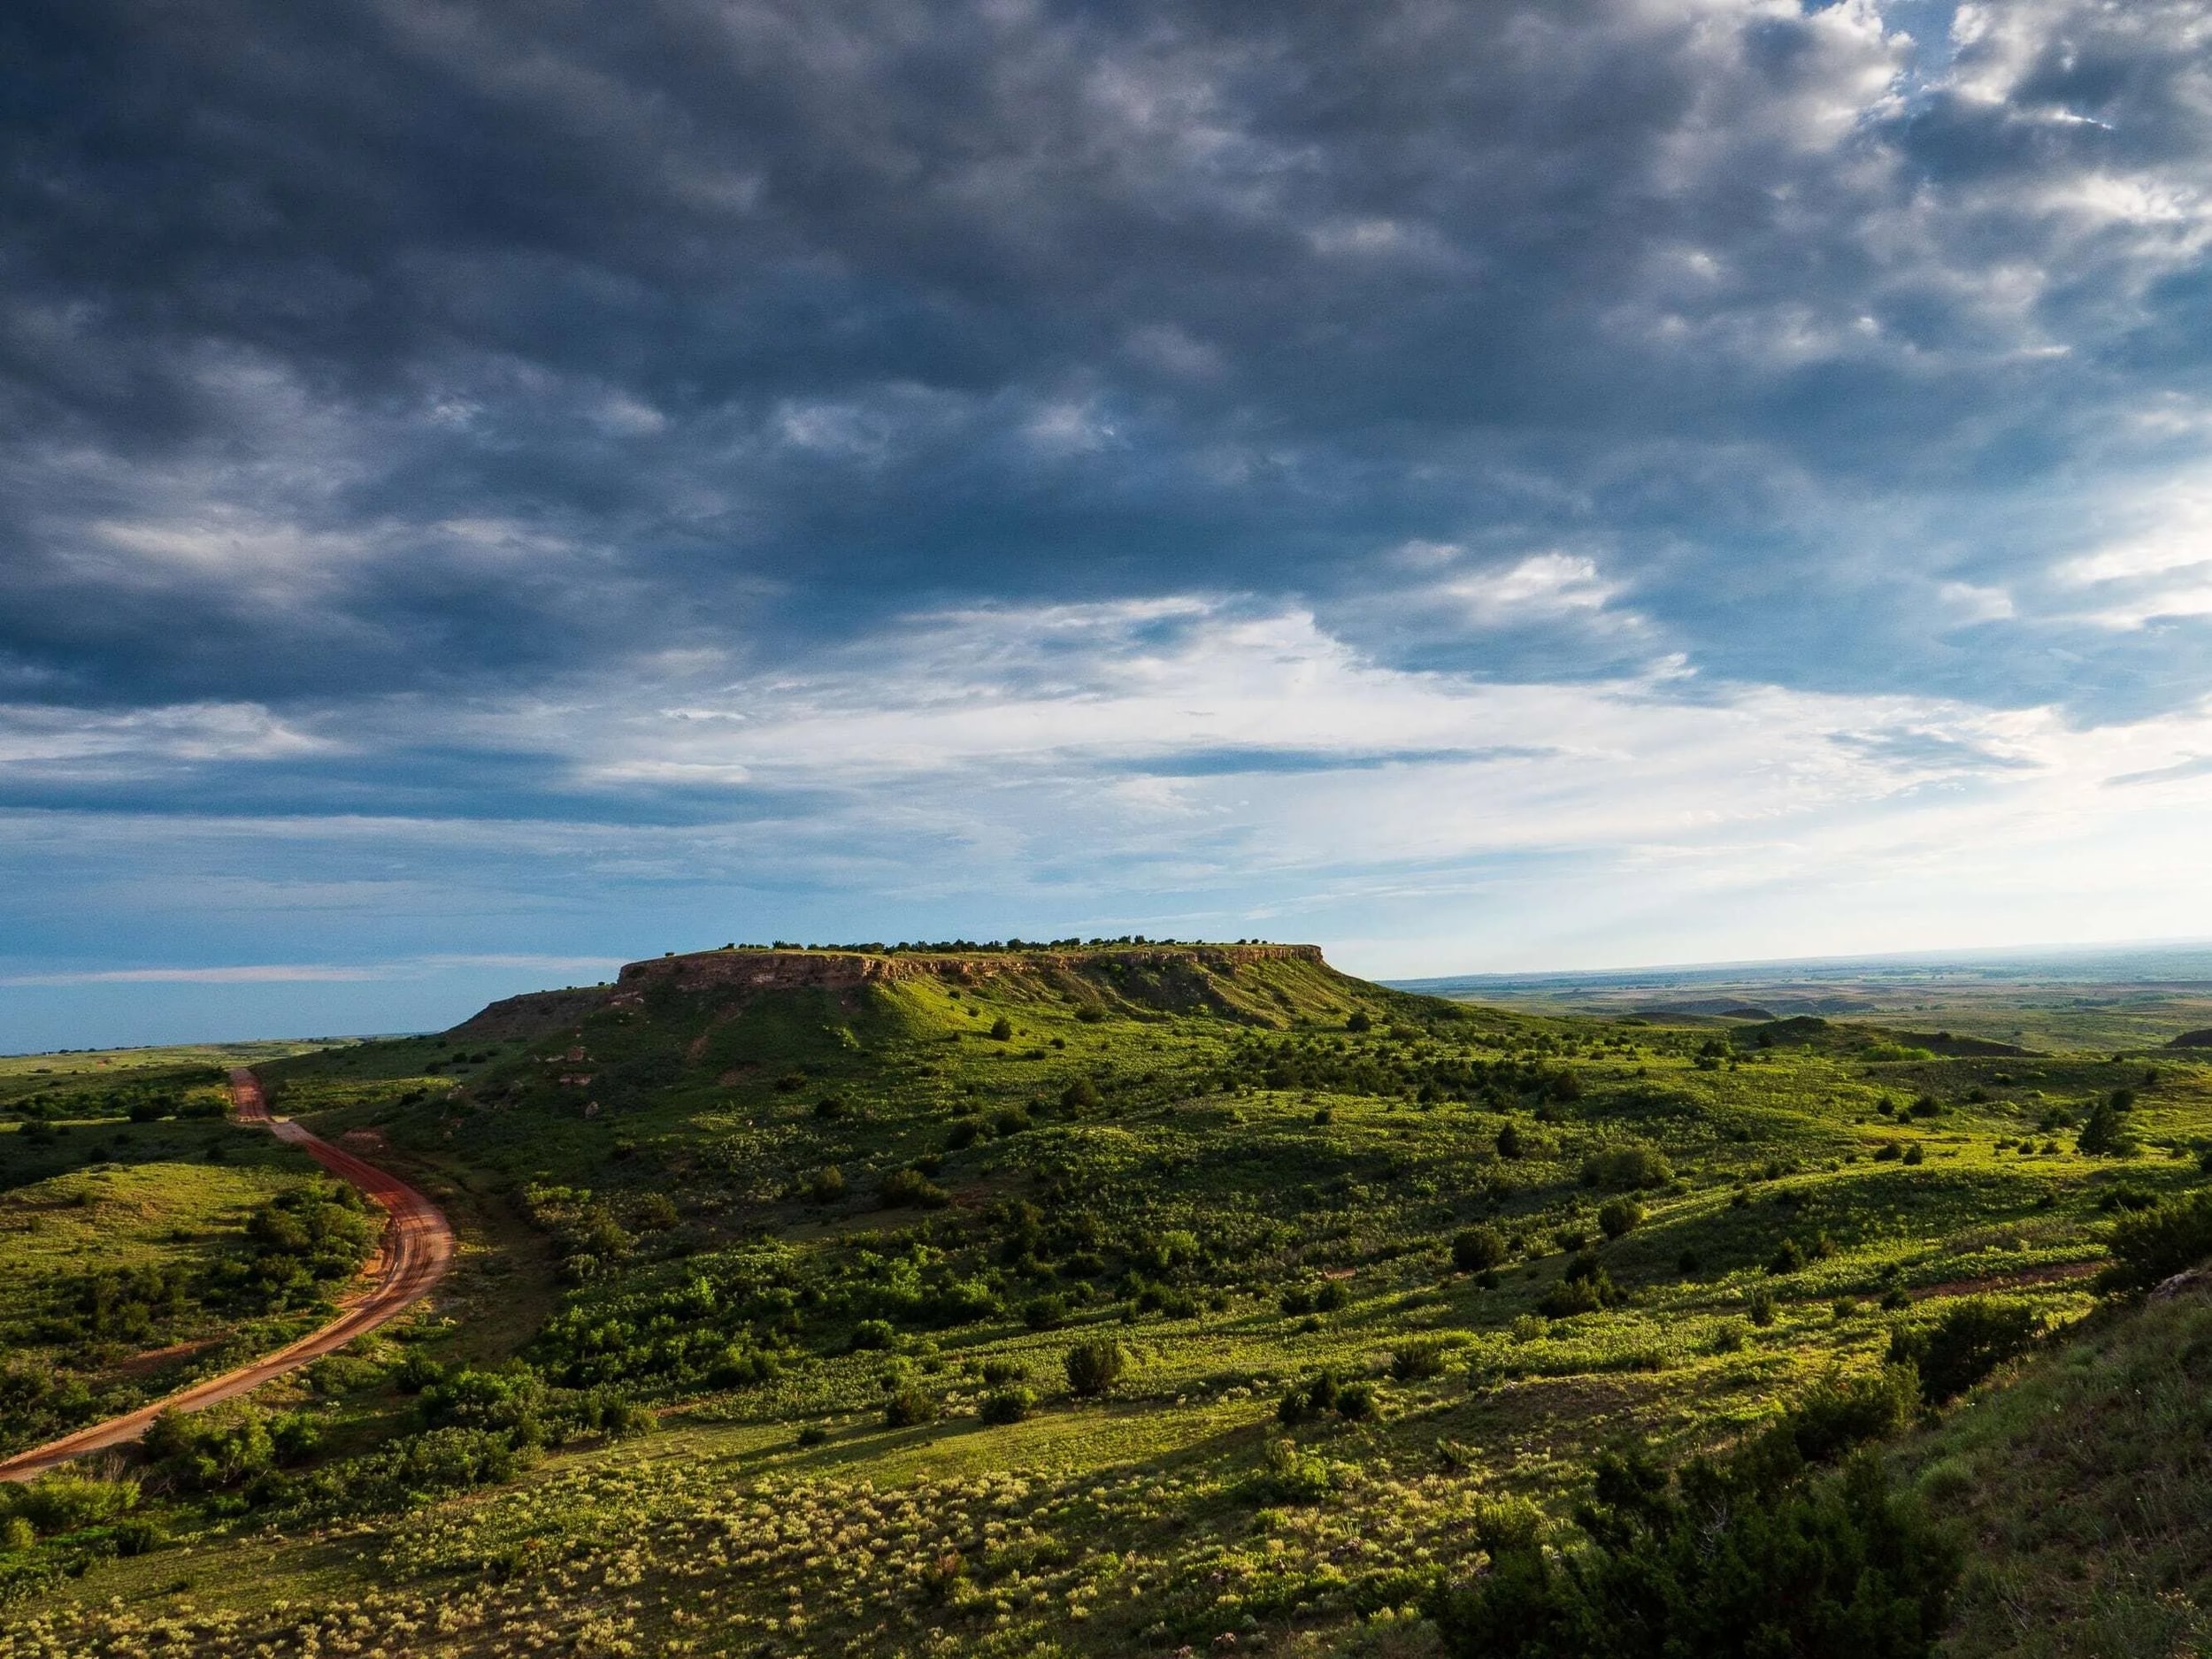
(1115,1299)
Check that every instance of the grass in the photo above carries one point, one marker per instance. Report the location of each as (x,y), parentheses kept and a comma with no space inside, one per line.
(1206,1166)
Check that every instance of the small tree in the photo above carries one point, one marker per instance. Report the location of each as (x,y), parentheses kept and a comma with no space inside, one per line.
(2106,1135)
(1093,1366)
(1002,1028)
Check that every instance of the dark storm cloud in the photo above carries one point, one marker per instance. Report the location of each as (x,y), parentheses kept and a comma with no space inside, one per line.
(368,348)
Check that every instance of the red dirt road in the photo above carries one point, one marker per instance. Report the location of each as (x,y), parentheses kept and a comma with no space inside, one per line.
(414,1254)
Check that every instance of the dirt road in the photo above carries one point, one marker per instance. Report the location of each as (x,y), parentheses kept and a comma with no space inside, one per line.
(414,1254)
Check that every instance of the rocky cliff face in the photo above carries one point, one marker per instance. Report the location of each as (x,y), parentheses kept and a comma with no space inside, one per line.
(841,970)
(1175,973)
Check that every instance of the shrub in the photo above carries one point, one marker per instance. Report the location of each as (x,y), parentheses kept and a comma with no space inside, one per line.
(1090,1013)
(1511,1143)
(1478,1250)
(909,1407)
(657,1213)
(829,1106)
(1916,1153)
(1413,1362)
(1009,1405)
(2158,1243)
(1970,1340)
(1586,1287)
(1329,1295)
(1627,1168)
(1838,1414)
(1289,1476)
(412,1471)
(1355,1401)
(1762,1306)
(1717,1562)
(902,1188)
(826,1185)
(1359,1019)
(1296,1403)
(871,1334)
(1080,1095)
(997,1373)
(1045,1312)
(223,1446)
(1788,1258)
(63,1503)
(1093,1366)
(1619,1216)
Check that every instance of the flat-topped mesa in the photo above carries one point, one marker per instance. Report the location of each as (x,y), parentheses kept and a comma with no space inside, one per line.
(841,970)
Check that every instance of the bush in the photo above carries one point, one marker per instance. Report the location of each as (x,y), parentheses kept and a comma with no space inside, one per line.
(1478,1250)
(1586,1287)
(1093,1366)
(1916,1153)
(826,1185)
(1838,1414)
(1359,1019)
(1971,1339)
(223,1446)
(407,1473)
(1290,1476)
(1788,1258)
(909,1407)
(1627,1168)
(1717,1562)
(1355,1401)
(1762,1306)
(1080,1095)
(2158,1243)
(1046,1312)
(1090,1013)
(902,1188)
(873,1334)
(63,1503)
(1009,1405)
(1414,1361)
(1619,1216)
(1002,1028)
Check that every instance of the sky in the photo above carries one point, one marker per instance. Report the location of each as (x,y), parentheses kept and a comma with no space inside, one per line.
(489,491)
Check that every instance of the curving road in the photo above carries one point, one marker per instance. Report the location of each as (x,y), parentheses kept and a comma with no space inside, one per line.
(415,1250)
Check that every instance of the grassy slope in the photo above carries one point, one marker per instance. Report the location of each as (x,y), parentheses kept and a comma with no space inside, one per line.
(2085,1486)
(1112,1527)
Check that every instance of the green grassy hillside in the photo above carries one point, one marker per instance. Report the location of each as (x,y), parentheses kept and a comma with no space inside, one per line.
(802,1346)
